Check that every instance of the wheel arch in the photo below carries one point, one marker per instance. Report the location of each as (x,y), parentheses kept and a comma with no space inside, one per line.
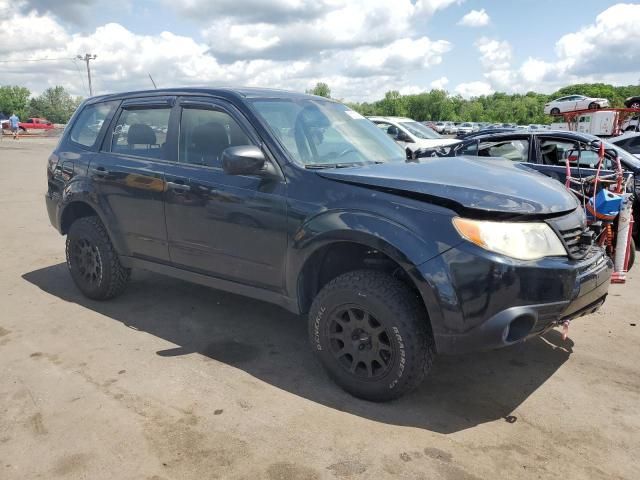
(376,243)
(77,203)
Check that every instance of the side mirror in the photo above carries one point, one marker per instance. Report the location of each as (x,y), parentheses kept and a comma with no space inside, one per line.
(243,160)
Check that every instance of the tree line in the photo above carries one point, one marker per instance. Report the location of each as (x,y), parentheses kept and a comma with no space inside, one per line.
(498,107)
(55,103)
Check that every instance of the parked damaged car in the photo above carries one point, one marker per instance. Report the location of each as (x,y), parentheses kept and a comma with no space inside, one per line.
(300,201)
(546,151)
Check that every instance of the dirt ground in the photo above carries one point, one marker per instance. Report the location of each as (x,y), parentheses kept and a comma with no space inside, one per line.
(177,381)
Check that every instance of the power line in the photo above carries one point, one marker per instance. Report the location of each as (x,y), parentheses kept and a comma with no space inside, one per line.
(75,64)
(36,60)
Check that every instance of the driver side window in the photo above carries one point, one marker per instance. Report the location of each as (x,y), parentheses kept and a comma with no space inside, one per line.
(205,134)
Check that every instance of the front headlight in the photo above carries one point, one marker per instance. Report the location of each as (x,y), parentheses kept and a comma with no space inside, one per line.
(524,241)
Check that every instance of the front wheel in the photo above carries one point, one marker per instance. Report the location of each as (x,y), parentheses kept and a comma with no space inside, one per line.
(555,111)
(92,260)
(594,106)
(370,333)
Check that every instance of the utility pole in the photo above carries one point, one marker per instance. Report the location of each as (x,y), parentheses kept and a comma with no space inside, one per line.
(87,58)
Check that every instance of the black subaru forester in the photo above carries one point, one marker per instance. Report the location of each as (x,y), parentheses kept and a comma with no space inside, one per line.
(300,201)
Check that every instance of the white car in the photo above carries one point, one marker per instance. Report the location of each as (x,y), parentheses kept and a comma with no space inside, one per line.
(572,103)
(445,128)
(465,128)
(411,134)
(629,141)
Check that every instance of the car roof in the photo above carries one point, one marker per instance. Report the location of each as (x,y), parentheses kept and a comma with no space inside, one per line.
(569,135)
(624,136)
(225,92)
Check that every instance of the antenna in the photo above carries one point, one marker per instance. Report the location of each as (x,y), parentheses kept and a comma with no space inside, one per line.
(154,83)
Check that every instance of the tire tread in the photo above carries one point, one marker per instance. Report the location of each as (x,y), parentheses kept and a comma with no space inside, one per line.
(411,315)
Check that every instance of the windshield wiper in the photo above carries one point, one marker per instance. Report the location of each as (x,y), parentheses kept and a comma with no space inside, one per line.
(321,166)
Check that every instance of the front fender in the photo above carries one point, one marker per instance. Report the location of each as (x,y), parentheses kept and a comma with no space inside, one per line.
(402,245)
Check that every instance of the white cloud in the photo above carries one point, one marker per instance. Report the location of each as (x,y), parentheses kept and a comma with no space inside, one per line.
(473,89)
(400,55)
(340,25)
(494,54)
(603,51)
(610,44)
(440,83)
(475,18)
(361,48)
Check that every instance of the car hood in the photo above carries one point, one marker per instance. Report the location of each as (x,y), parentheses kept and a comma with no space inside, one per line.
(467,185)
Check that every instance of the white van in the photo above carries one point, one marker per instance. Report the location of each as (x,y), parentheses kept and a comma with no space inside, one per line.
(602,124)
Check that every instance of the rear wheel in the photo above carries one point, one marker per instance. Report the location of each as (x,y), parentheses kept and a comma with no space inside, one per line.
(632,254)
(92,260)
(370,333)
(635,104)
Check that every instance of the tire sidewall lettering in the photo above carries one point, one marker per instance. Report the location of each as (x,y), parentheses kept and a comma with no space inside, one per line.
(316,328)
(402,357)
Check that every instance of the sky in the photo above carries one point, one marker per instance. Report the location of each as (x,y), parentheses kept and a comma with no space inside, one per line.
(361,48)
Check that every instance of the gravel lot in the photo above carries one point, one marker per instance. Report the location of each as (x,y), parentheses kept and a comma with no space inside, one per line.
(177,381)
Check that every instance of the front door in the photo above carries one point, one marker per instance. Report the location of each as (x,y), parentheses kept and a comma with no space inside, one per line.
(228,226)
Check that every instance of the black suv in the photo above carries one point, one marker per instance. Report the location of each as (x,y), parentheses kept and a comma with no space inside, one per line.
(300,201)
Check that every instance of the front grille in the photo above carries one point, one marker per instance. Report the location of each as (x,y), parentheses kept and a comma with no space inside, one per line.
(577,240)
(574,232)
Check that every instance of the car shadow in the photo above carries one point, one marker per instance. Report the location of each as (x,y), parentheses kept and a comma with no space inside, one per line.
(270,344)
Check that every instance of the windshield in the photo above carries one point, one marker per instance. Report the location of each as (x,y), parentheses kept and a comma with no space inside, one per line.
(324,133)
(419,130)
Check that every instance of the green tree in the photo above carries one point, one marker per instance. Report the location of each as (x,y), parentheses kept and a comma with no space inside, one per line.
(393,104)
(321,89)
(55,104)
(14,99)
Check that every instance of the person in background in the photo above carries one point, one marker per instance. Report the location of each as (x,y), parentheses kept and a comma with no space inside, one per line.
(14,122)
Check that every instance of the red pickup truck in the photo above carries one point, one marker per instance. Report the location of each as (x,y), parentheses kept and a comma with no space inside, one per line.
(33,123)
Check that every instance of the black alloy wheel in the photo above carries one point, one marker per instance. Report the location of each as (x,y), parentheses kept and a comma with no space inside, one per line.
(86,258)
(360,343)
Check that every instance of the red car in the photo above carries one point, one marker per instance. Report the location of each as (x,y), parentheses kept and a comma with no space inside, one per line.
(31,124)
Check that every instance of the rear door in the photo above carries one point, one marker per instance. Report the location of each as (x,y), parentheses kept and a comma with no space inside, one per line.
(228,226)
(129,174)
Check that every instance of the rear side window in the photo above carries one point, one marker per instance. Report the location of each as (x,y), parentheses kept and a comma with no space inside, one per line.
(141,132)
(87,126)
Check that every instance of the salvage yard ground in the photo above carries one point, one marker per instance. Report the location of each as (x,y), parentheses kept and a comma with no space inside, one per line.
(177,381)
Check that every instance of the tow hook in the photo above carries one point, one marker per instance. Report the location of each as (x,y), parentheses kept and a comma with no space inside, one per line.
(565,328)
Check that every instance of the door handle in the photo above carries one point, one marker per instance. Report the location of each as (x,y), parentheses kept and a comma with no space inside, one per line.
(178,185)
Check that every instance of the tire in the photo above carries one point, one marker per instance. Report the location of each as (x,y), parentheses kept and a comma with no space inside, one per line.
(594,106)
(632,254)
(634,104)
(555,111)
(389,347)
(92,260)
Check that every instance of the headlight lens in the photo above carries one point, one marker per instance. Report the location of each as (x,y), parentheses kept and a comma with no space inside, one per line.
(524,241)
